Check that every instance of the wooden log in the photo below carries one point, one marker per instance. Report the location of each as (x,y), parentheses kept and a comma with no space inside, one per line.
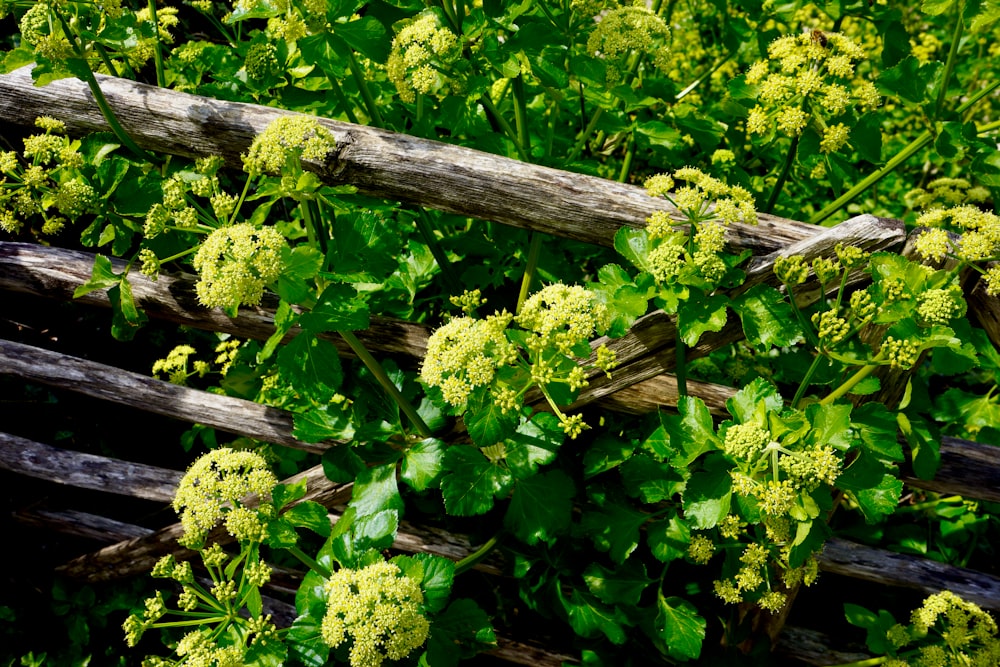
(894,569)
(378,162)
(814,648)
(232,415)
(81,524)
(86,471)
(55,273)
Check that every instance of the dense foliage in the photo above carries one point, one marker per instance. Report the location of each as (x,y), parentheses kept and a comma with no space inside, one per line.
(656,539)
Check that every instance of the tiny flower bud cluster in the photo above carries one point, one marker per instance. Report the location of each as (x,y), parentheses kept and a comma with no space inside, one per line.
(378,609)
(174,367)
(943,192)
(422,54)
(806,77)
(627,30)
(235,263)
(213,489)
(288,139)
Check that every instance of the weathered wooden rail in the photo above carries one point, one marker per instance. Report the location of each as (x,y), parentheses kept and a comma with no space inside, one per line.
(434,175)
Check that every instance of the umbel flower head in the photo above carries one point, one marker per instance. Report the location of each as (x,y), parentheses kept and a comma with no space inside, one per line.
(627,30)
(288,138)
(235,263)
(465,353)
(421,55)
(563,316)
(809,76)
(378,609)
(212,489)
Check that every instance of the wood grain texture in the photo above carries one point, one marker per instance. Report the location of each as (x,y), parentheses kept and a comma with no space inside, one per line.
(81,524)
(54,273)
(378,162)
(895,569)
(232,415)
(86,471)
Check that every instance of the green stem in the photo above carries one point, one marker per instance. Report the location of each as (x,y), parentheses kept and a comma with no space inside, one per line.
(239,202)
(521,117)
(161,79)
(338,92)
(697,82)
(504,125)
(680,370)
(476,556)
(587,131)
(867,662)
(366,95)
(627,162)
(530,268)
(840,391)
(383,379)
(426,230)
(95,90)
(989,127)
(899,158)
(949,66)
(783,176)
(800,392)
(103,53)
(310,562)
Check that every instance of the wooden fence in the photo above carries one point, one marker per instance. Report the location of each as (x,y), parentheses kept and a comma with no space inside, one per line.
(424,173)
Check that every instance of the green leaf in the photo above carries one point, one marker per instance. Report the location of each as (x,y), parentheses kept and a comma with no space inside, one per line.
(607,453)
(691,431)
(354,537)
(438,577)
(986,17)
(485,421)
(312,367)
(680,627)
(422,464)
(924,443)
(623,585)
(367,36)
(877,429)
(633,245)
(589,617)
(971,412)
(375,490)
(866,137)
(668,539)
(298,266)
(341,464)
(305,641)
(534,443)
(460,632)
(541,507)
(326,422)
(708,495)
(768,319)
(745,403)
(339,308)
(614,528)
(831,425)
(909,80)
(471,481)
(127,318)
(697,316)
(626,301)
(879,502)
(286,493)
(935,7)
(311,515)
(650,481)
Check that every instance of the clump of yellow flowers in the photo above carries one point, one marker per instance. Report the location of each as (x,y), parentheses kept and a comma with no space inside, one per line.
(809,78)
(421,56)
(979,240)
(377,608)
(285,139)
(625,31)
(494,356)
(235,263)
(213,490)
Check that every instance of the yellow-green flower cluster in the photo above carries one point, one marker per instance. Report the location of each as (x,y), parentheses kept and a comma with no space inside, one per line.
(627,30)
(235,263)
(421,56)
(940,306)
(465,353)
(946,631)
(701,549)
(946,192)
(378,609)
(703,199)
(979,241)
(809,77)
(288,139)
(175,365)
(562,316)
(212,490)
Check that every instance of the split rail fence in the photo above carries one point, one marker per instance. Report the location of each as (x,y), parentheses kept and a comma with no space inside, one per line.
(435,175)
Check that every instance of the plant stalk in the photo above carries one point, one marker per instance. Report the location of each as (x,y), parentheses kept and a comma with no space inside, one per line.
(477,556)
(309,561)
(530,268)
(783,176)
(843,389)
(680,356)
(383,379)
